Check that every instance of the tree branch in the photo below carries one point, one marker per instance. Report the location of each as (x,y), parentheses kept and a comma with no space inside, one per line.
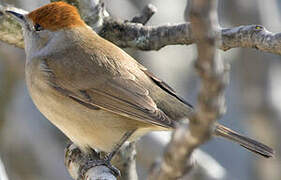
(93,12)
(177,156)
(145,15)
(10,30)
(3,174)
(138,36)
(251,36)
(135,35)
(80,168)
(206,166)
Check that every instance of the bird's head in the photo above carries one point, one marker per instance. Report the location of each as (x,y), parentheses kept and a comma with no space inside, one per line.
(47,22)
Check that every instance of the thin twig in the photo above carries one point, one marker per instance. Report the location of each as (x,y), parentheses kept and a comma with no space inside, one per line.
(147,12)
(251,36)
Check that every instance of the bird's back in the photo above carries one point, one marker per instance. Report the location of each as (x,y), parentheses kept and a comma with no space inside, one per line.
(93,61)
(162,94)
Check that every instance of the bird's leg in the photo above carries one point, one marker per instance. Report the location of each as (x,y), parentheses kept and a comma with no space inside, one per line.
(117,147)
(106,160)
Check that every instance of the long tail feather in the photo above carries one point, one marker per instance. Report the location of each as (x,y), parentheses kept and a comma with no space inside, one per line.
(244,141)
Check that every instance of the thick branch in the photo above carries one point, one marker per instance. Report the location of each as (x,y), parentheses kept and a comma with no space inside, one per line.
(138,36)
(83,167)
(79,167)
(135,35)
(177,156)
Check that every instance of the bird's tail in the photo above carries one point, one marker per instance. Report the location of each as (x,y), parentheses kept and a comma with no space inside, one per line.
(244,141)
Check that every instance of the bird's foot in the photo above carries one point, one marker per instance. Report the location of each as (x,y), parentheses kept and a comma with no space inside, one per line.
(103,162)
(95,159)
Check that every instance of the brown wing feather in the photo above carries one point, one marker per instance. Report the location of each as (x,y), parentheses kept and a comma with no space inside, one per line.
(164,86)
(107,78)
(118,95)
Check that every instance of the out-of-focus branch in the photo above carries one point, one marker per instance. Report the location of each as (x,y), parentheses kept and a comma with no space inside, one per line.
(177,156)
(3,174)
(93,12)
(127,34)
(206,166)
(10,30)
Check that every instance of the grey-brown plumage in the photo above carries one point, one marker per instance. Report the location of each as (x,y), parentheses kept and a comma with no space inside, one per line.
(94,92)
(248,143)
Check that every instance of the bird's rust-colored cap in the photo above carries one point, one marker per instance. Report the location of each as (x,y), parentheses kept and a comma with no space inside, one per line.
(56,16)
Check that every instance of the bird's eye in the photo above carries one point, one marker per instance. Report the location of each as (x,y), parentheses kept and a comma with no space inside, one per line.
(38,27)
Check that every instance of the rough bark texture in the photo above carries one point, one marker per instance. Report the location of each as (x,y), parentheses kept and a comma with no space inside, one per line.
(79,166)
(135,35)
(82,167)
(251,36)
(177,156)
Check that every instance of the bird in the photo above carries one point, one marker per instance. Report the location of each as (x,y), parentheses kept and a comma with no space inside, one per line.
(93,91)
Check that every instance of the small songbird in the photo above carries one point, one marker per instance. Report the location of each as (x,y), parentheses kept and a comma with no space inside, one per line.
(93,91)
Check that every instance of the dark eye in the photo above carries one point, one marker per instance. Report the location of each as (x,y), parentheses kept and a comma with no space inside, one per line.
(38,27)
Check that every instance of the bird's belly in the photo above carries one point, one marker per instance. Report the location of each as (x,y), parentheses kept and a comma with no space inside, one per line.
(86,127)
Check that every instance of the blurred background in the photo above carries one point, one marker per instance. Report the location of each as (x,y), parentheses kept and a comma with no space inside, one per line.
(31,148)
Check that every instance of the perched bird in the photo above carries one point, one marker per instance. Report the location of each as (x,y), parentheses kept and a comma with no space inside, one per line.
(93,91)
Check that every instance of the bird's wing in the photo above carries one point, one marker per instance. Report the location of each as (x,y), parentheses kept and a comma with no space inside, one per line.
(96,87)
(164,86)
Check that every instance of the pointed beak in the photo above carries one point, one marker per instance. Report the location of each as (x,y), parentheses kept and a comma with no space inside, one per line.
(17,16)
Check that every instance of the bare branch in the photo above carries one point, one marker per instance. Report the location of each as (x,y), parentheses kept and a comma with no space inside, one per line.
(126,34)
(135,35)
(83,167)
(251,36)
(211,95)
(80,168)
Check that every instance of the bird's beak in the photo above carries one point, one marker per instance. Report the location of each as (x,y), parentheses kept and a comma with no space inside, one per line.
(17,16)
